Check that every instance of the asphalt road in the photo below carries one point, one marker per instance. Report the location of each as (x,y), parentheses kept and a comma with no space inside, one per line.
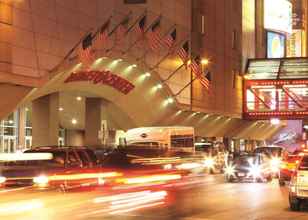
(214,200)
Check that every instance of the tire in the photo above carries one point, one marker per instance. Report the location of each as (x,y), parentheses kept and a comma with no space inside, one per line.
(229,179)
(294,204)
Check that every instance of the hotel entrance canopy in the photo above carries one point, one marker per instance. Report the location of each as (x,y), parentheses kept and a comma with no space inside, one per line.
(276,88)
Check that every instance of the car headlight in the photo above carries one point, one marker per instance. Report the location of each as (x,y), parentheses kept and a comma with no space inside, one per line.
(230,170)
(254,171)
(275,164)
(2,179)
(209,162)
(167,166)
(41,180)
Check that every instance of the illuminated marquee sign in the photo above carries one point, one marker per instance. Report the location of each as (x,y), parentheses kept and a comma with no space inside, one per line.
(102,77)
(278,15)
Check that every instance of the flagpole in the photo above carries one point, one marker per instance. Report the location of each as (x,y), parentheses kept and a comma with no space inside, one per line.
(131,46)
(137,20)
(173,73)
(98,30)
(114,29)
(71,51)
(148,50)
(188,84)
(162,59)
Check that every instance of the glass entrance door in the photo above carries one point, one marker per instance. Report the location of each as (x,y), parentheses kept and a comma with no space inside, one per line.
(9,144)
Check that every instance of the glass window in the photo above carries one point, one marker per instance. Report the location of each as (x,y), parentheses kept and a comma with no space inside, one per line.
(182,141)
(84,158)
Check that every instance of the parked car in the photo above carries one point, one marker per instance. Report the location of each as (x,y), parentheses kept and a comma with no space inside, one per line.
(298,192)
(252,167)
(288,167)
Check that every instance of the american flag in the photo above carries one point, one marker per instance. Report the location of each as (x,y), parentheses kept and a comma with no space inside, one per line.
(204,78)
(140,26)
(122,29)
(195,66)
(103,32)
(154,37)
(85,52)
(170,39)
(183,52)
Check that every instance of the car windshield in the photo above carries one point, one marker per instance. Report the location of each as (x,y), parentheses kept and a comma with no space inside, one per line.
(304,164)
(245,160)
(269,151)
(58,160)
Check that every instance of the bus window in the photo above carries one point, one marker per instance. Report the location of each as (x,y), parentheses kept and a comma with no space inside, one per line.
(179,141)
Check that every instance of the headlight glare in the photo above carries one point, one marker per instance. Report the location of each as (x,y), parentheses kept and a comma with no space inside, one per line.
(230,170)
(2,179)
(41,180)
(209,162)
(255,171)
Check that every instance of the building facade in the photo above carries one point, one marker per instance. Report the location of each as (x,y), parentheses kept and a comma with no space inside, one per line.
(40,43)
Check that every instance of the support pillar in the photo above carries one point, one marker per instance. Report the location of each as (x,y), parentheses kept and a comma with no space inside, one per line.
(21,128)
(93,121)
(45,120)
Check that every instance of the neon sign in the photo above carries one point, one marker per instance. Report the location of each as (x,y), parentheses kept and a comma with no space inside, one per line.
(103,78)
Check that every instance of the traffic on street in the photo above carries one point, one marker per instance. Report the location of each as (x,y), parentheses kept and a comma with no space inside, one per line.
(146,182)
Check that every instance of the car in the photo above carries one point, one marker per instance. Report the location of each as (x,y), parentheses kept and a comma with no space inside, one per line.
(64,167)
(298,188)
(287,168)
(276,154)
(214,156)
(251,167)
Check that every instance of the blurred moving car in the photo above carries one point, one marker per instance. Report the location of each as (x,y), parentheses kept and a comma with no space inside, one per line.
(275,154)
(65,167)
(298,190)
(214,156)
(151,177)
(288,167)
(253,167)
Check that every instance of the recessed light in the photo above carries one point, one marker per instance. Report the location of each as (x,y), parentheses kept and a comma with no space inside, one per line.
(74,121)
(61,109)
(78,98)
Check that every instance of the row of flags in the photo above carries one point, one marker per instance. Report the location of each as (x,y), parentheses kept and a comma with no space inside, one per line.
(153,36)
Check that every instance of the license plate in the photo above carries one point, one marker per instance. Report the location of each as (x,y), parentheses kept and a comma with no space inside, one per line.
(241,174)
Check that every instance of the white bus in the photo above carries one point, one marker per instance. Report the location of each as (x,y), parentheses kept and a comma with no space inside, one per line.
(175,138)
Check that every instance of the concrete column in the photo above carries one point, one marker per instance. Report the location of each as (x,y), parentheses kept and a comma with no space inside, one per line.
(93,121)
(45,120)
(21,128)
(74,138)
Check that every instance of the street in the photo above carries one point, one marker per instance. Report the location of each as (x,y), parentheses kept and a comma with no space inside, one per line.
(216,200)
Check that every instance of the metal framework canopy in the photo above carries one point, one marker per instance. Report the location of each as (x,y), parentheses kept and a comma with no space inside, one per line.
(276,88)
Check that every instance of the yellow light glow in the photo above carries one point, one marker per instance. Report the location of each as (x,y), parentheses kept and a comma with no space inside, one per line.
(148,179)
(74,121)
(204,61)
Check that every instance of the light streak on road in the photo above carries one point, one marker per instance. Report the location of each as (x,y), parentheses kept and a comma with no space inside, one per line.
(13,208)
